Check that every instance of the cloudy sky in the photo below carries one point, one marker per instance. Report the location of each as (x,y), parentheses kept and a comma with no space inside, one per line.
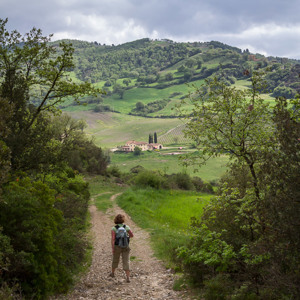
(269,27)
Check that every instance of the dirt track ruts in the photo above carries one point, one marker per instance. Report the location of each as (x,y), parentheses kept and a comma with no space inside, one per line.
(150,280)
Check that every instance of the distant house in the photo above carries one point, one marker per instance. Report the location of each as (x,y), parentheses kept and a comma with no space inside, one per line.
(130,145)
(153,146)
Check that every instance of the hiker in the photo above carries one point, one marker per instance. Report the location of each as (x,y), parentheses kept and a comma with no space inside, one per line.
(120,235)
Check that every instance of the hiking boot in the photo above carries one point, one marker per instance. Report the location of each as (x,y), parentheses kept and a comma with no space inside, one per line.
(127,279)
(112,275)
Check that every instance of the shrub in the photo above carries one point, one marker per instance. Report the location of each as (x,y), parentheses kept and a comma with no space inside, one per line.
(30,220)
(137,151)
(114,171)
(282,91)
(200,186)
(183,181)
(137,169)
(149,178)
(43,236)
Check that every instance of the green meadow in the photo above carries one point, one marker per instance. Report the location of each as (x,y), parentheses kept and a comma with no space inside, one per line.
(110,130)
(168,163)
(166,214)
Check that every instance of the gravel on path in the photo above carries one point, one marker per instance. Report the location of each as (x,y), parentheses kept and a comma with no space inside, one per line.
(150,280)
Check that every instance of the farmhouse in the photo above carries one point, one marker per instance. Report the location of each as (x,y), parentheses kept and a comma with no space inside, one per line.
(130,145)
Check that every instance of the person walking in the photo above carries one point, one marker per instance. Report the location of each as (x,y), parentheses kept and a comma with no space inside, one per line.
(120,236)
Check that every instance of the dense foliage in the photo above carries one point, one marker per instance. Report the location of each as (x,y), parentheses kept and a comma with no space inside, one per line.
(43,199)
(246,244)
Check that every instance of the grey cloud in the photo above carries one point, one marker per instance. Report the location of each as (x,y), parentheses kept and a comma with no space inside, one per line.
(118,21)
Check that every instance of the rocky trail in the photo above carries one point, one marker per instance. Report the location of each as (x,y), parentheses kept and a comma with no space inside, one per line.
(149,278)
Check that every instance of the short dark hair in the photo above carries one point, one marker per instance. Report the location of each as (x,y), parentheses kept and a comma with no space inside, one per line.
(119,219)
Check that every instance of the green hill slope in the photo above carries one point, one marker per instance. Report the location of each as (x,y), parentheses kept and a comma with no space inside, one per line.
(145,79)
(149,71)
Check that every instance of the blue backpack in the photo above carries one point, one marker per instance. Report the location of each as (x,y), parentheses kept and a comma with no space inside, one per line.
(122,238)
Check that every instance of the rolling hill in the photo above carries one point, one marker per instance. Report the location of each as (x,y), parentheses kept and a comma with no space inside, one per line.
(144,80)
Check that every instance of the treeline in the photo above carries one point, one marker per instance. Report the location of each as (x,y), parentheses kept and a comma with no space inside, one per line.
(97,63)
(43,196)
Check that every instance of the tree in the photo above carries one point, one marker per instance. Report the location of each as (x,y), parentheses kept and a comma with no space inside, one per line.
(43,205)
(108,83)
(190,63)
(181,69)
(126,81)
(230,121)
(169,76)
(137,151)
(283,91)
(35,73)
(118,89)
(188,74)
(247,241)
(155,138)
(38,67)
(199,63)
(150,140)
(139,106)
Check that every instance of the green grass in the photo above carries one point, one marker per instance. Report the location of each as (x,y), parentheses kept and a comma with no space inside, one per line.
(111,129)
(165,213)
(103,201)
(169,164)
(99,185)
(145,95)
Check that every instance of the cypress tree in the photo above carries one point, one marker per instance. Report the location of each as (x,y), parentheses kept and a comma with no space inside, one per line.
(155,138)
(150,138)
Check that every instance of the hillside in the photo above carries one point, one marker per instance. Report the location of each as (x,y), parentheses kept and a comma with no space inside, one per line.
(144,80)
(148,77)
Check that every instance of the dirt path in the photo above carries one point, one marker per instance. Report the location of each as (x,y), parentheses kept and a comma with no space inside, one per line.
(149,279)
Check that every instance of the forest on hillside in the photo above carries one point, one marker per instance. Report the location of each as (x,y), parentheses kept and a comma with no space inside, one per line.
(163,63)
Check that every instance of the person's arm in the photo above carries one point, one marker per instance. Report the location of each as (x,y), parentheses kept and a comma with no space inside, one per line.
(130,233)
(113,237)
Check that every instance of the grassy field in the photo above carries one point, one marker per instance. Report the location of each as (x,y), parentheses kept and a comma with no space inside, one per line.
(165,213)
(111,129)
(169,164)
(145,95)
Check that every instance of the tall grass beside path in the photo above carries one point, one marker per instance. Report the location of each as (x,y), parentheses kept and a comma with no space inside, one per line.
(166,214)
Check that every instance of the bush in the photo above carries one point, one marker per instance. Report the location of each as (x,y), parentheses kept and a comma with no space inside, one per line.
(217,288)
(43,236)
(149,178)
(114,171)
(200,186)
(182,181)
(283,91)
(31,222)
(137,169)
(102,108)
